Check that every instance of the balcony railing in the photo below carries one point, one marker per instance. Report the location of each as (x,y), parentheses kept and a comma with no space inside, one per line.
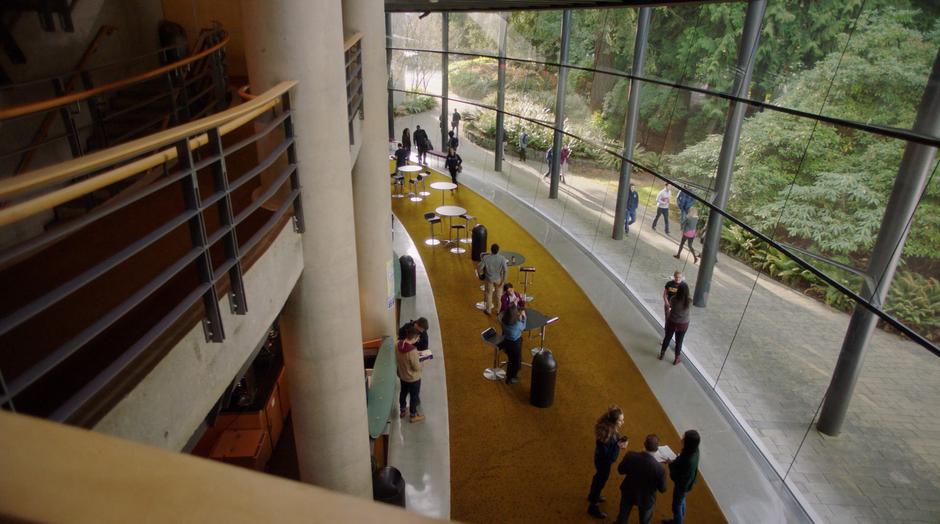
(87,298)
(353,46)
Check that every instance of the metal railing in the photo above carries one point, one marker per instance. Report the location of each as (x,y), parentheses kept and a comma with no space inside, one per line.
(353,46)
(207,260)
(118,102)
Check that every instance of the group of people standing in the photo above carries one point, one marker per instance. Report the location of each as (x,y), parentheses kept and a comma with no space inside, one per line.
(643,471)
(562,161)
(688,216)
(493,270)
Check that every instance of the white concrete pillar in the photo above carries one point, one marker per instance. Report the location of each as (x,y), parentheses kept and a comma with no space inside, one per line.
(371,201)
(293,39)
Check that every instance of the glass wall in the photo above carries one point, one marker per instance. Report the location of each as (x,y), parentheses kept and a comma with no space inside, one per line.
(769,337)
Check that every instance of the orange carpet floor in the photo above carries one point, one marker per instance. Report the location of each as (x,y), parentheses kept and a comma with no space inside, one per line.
(510,461)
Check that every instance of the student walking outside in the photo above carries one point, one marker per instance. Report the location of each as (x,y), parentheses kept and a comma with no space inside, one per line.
(689,224)
(677,322)
(455,122)
(662,207)
(523,145)
(633,202)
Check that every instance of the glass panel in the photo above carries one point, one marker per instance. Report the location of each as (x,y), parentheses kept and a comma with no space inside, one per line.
(410,30)
(474,32)
(534,35)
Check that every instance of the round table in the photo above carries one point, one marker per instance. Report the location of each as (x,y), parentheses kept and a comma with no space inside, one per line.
(450,212)
(444,187)
(416,196)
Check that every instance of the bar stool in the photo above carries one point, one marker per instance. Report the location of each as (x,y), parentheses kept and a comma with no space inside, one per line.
(398,185)
(423,180)
(525,282)
(457,250)
(490,336)
(471,221)
(413,194)
(432,219)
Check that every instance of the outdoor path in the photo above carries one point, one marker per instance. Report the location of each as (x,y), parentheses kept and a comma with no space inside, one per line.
(769,351)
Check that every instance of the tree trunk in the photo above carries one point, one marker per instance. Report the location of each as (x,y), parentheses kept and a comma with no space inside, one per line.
(602,84)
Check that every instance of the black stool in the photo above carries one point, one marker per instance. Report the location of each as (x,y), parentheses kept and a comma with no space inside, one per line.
(432,219)
(496,372)
(457,250)
(413,194)
(398,182)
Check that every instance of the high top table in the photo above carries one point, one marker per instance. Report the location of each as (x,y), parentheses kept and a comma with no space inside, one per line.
(412,169)
(444,187)
(450,212)
(537,320)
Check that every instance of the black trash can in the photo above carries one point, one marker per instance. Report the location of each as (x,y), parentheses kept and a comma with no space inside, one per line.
(478,242)
(544,369)
(388,486)
(407,276)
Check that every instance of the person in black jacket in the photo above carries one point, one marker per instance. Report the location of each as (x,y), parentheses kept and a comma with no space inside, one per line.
(420,138)
(607,448)
(453,163)
(684,473)
(643,477)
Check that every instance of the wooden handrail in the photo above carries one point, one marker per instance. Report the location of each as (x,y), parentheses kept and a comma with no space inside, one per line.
(244,94)
(225,121)
(52,103)
(351,40)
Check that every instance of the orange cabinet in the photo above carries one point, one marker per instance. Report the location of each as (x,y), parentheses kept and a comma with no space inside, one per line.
(249,448)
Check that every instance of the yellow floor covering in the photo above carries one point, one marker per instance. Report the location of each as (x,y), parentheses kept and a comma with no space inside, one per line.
(510,461)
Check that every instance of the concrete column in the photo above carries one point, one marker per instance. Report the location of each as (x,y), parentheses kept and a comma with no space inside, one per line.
(909,186)
(371,203)
(286,39)
(747,50)
(560,105)
(501,93)
(633,116)
(445,77)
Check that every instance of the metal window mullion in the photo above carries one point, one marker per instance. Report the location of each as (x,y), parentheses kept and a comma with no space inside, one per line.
(212,322)
(237,300)
(299,225)
(71,130)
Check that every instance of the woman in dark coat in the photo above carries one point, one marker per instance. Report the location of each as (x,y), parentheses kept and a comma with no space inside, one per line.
(406,141)
(607,446)
(453,163)
(684,471)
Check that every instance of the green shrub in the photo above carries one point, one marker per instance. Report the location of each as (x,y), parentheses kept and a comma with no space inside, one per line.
(415,104)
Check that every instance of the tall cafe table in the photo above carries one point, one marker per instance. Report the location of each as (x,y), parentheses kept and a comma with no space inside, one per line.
(444,187)
(450,212)
(412,169)
(537,320)
(512,259)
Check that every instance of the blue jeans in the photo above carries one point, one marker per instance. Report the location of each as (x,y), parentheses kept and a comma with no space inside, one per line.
(662,212)
(630,218)
(678,507)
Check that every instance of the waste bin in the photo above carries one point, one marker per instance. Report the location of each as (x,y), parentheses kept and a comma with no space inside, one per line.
(544,369)
(407,276)
(478,242)
(388,486)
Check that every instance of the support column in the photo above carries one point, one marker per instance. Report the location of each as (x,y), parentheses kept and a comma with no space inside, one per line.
(445,76)
(633,116)
(322,338)
(371,204)
(501,93)
(747,50)
(560,104)
(909,185)
(391,84)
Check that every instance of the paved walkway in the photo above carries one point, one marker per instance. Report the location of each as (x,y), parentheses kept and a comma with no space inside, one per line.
(769,351)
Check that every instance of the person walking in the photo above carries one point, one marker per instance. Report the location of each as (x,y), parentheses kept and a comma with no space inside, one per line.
(452,141)
(513,322)
(689,224)
(607,446)
(409,373)
(633,202)
(684,472)
(455,122)
(669,290)
(523,145)
(684,202)
(494,268)
(401,158)
(406,142)
(563,161)
(643,477)
(549,154)
(453,163)
(677,322)
(662,206)
(423,144)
